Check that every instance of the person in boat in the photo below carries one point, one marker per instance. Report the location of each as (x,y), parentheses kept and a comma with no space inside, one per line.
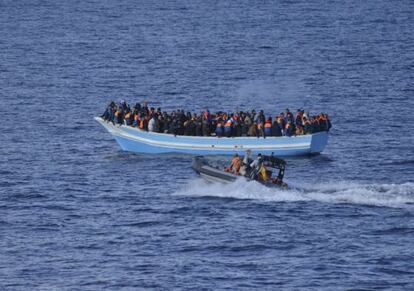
(245,167)
(128,117)
(268,127)
(260,121)
(153,124)
(289,130)
(119,115)
(219,128)
(263,174)
(245,123)
(299,130)
(206,124)
(228,126)
(190,126)
(218,124)
(109,113)
(235,165)
(276,131)
(255,167)
(237,121)
(328,121)
(307,126)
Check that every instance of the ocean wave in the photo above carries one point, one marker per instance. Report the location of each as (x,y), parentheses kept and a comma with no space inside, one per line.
(387,195)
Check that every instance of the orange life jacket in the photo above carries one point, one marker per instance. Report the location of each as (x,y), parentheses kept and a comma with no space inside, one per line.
(228,123)
(141,124)
(288,125)
(235,164)
(268,124)
(128,115)
(117,113)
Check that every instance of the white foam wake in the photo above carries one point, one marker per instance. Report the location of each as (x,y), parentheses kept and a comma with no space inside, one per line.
(390,195)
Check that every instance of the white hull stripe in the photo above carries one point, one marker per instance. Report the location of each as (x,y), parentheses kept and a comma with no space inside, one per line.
(184,146)
(209,147)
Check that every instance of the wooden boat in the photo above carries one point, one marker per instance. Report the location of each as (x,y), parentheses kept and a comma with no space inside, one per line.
(136,140)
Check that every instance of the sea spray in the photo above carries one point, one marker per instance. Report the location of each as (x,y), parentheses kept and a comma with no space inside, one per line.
(387,195)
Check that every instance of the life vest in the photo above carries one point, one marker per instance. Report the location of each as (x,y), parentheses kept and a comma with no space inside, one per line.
(117,113)
(136,117)
(268,124)
(141,124)
(128,115)
(307,122)
(288,126)
(236,164)
(259,125)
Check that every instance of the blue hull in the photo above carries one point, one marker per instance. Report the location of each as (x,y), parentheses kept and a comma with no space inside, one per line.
(139,141)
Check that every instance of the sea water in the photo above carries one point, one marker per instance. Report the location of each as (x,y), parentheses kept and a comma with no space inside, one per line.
(77,213)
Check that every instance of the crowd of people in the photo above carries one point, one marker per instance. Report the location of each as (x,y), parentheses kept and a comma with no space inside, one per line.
(220,124)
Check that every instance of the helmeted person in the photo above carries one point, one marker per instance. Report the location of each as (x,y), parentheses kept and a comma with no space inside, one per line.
(255,167)
(247,160)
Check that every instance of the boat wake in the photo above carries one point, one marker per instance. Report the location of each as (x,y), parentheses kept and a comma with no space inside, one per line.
(387,195)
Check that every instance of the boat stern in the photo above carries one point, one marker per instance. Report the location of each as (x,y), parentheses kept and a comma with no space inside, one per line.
(319,142)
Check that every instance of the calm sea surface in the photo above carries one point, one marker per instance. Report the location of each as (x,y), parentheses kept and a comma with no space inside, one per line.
(77,213)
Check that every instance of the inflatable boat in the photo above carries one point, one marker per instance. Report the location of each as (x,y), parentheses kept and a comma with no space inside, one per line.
(136,140)
(214,174)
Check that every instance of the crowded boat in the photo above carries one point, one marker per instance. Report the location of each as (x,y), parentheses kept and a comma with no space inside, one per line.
(219,124)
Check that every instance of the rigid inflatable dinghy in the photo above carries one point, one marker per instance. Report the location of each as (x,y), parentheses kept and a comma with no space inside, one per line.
(215,174)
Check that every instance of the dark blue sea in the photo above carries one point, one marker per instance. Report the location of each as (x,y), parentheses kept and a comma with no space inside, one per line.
(77,213)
